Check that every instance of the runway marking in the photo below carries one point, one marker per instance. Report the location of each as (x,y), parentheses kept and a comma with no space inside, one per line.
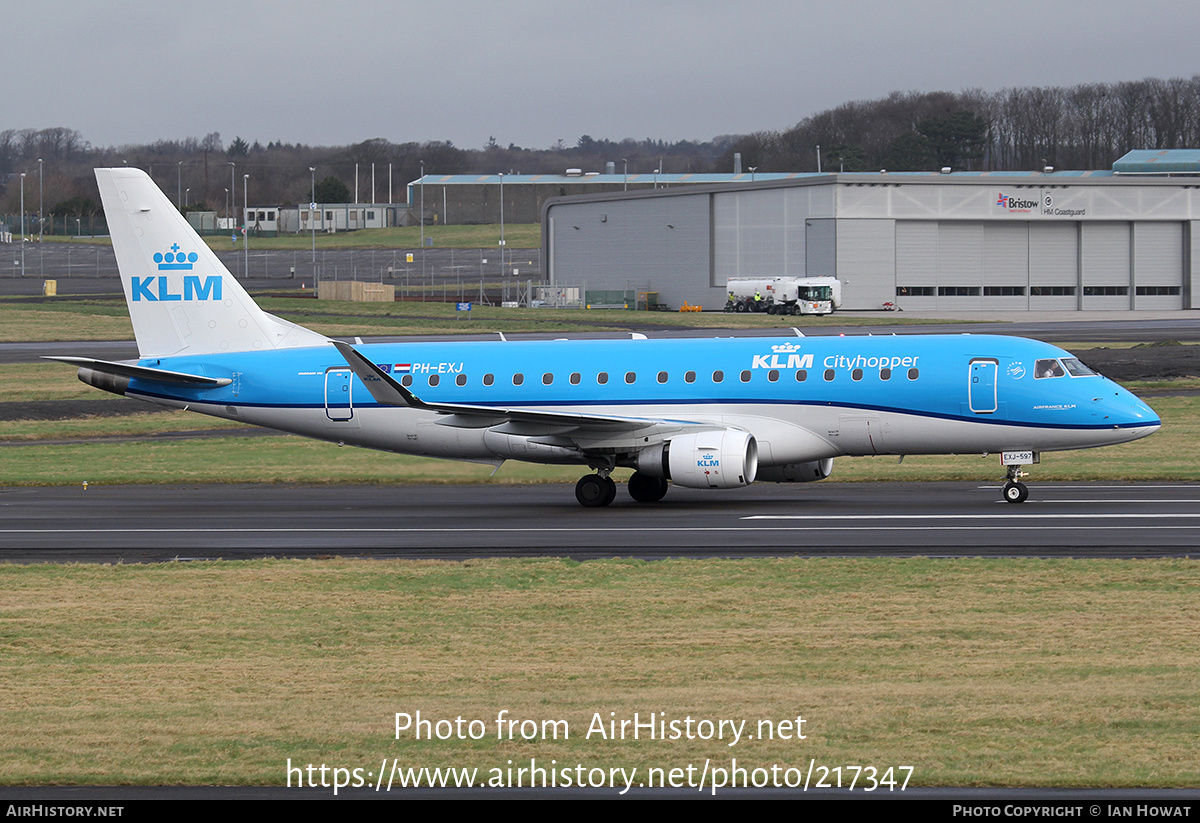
(555,530)
(1112,501)
(979,516)
(1051,485)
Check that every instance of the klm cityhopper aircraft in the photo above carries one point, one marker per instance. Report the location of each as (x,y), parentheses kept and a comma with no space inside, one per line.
(717,413)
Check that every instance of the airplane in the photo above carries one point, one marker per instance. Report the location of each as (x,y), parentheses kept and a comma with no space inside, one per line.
(699,413)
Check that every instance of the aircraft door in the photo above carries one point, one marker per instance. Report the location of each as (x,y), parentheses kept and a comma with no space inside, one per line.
(339,404)
(982,386)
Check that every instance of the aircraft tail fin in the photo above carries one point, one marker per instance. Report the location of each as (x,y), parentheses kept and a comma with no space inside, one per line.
(181,298)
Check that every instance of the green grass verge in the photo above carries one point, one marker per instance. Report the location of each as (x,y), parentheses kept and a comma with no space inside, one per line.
(107,319)
(516,236)
(1167,455)
(972,672)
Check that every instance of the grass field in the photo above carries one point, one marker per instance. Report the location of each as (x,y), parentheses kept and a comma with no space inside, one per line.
(1167,455)
(516,236)
(972,672)
(108,319)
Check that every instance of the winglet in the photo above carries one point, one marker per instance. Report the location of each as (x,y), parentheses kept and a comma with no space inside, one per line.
(379,383)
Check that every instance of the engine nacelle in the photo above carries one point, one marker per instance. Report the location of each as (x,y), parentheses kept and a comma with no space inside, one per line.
(722,459)
(797,472)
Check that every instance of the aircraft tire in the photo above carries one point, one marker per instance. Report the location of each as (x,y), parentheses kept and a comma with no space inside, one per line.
(645,488)
(594,491)
(1016,492)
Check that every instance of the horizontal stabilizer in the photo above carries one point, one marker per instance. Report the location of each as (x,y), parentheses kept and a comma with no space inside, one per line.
(174,378)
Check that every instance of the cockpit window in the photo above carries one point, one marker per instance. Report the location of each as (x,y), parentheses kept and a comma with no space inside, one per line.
(1048,368)
(1076,368)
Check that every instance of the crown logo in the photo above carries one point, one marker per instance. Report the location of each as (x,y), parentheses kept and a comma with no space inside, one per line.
(785,348)
(175,260)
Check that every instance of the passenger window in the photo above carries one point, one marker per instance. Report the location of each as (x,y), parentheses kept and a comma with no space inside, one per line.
(434,379)
(828,375)
(489,379)
(630,377)
(518,379)
(547,379)
(913,374)
(885,374)
(575,378)
(856,374)
(602,378)
(745,375)
(773,375)
(718,376)
(801,375)
(689,377)
(662,377)
(461,380)
(406,380)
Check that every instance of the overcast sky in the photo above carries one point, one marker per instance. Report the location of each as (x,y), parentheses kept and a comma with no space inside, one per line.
(532,72)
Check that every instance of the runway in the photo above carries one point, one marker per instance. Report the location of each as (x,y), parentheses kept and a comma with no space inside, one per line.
(136,524)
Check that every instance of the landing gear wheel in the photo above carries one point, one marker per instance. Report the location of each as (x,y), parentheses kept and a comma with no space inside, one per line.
(647,489)
(595,491)
(1015,492)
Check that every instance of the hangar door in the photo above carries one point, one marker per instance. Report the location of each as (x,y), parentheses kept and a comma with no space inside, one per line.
(968,265)
(1158,250)
(1104,260)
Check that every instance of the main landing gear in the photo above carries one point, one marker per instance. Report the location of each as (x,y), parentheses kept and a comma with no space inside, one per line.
(595,491)
(645,488)
(1014,490)
(598,490)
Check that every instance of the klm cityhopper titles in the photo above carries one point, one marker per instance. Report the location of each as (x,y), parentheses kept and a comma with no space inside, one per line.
(716,413)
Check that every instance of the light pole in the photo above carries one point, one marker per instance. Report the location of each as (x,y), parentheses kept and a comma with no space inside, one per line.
(178,182)
(226,205)
(245,227)
(39,200)
(422,219)
(312,212)
(501,224)
(22,224)
(626,162)
(232,191)
(753,169)
(186,195)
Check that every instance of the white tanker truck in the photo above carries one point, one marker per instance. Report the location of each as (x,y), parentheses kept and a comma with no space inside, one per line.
(785,295)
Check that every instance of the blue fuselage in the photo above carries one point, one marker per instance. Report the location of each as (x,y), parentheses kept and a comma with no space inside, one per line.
(848,395)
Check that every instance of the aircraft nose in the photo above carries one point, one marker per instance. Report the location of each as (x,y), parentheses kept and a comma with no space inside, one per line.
(1125,411)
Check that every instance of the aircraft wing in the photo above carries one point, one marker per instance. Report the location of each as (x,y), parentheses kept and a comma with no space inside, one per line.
(595,429)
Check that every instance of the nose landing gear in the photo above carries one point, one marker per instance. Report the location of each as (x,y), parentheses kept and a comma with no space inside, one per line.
(1014,490)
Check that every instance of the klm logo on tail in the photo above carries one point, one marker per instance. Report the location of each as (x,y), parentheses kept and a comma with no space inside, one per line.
(158,289)
(175,260)
(193,288)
